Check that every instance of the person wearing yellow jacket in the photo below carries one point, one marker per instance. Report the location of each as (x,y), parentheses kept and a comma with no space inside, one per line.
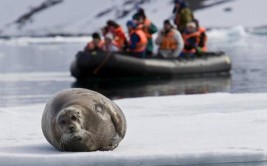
(170,41)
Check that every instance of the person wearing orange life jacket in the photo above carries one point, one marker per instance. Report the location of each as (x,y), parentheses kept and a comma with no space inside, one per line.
(191,38)
(110,45)
(170,41)
(138,40)
(96,44)
(118,34)
(148,27)
(202,38)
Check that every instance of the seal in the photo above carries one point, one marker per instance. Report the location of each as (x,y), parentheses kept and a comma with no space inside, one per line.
(80,120)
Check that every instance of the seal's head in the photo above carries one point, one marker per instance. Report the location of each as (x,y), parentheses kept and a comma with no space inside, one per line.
(74,135)
(69,120)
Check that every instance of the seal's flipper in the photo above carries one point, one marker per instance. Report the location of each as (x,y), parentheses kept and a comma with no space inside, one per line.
(118,121)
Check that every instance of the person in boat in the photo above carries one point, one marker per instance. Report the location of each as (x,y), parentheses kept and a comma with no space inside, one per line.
(148,27)
(170,41)
(96,44)
(119,36)
(110,44)
(182,15)
(191,38)
(138,40)
(104,30)
(203,38)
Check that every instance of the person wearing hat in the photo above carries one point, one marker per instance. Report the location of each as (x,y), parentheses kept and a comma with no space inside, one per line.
(138,40)
(182,15)
(96,44)
(110,44)
(191,38)
(148,27)
(118,34)
(170,41)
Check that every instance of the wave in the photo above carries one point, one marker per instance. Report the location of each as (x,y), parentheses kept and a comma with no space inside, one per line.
(45,40)
(36,76)
(258,30)
(234,32)
(237,31)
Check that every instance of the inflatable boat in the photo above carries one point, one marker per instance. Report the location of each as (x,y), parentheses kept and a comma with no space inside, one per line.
(89,65)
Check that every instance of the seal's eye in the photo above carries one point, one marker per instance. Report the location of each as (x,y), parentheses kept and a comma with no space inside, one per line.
(73,117)
(63,122)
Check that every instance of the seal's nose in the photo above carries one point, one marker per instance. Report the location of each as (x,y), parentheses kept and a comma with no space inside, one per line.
(71,128)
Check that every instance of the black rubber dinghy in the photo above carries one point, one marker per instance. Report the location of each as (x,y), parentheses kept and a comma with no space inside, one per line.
(106,65)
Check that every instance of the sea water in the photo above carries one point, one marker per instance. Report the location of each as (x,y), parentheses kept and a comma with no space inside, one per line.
(33,69)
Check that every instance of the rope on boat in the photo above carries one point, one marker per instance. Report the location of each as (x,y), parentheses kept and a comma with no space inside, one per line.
(99,67)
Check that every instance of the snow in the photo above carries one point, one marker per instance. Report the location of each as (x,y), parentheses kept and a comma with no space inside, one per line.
(243,12)
(45,40)
(80,17)
(10,12)
(174,130)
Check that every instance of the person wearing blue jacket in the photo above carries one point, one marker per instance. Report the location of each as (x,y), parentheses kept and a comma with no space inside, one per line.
(138,40)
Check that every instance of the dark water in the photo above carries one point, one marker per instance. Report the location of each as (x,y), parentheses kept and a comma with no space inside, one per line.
(30,72)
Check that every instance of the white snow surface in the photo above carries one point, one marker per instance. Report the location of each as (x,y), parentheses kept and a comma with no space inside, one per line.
(174,130)
(72,17)
(79,16)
